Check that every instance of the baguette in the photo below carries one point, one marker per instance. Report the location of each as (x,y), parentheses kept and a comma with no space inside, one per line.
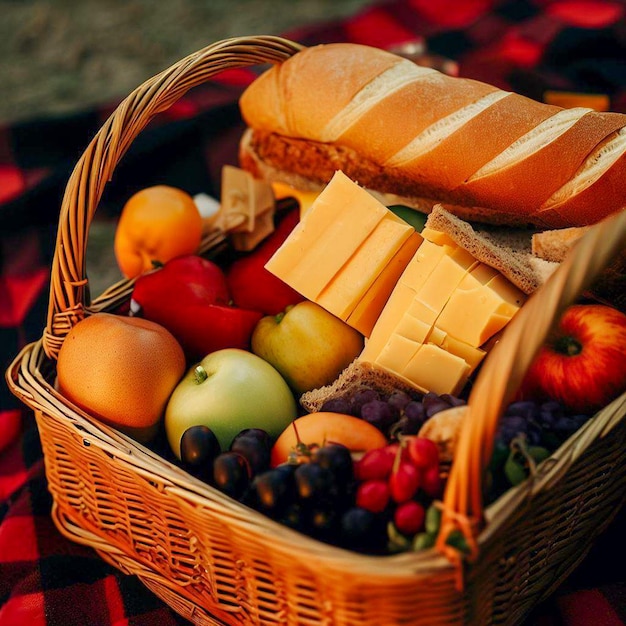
(397,128)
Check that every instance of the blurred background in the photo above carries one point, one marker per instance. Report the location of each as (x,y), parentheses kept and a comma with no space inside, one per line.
(62,55)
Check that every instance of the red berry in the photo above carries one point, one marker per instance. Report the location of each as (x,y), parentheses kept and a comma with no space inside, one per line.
(376,464)
(404,482)
(409,517)
(432,484)
(373,495)
(423,452)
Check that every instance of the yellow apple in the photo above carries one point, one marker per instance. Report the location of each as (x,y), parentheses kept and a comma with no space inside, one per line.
(308,345)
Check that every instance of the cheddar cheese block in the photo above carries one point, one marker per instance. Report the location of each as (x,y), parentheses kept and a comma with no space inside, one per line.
(443,310)
(346,253)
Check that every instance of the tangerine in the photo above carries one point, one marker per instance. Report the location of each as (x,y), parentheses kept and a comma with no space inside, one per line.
(156,224)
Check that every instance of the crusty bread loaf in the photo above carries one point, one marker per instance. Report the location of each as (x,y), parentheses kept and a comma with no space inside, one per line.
(395,127)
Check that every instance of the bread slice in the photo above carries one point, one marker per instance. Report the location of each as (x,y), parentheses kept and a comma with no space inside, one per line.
(609,287)
(553,245)
(505,249)
(358,375)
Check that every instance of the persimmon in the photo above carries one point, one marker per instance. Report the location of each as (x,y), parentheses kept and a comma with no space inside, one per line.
(121,370)
(157,224)
(327,427)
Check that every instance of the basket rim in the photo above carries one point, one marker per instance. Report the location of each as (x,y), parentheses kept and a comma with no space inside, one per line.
(26,380)
(502,369)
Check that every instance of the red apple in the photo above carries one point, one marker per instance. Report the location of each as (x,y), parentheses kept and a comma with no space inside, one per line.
(582,363)
(183,279)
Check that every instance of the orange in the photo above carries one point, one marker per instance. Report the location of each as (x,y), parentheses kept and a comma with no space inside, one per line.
(121,370)
(327,427)
(156,224)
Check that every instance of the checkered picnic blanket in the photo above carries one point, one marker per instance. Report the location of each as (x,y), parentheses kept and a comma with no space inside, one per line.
(537,48)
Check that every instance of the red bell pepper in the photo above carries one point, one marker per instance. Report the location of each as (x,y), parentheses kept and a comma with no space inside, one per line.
(254,287)
(189,296)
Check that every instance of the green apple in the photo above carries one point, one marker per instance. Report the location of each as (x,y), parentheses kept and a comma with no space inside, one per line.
(308,345)
(229,390)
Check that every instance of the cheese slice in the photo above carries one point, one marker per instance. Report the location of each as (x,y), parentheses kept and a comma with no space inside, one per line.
(445,278)
(346,253)
(400,299)
(368,308)
(476,311)
(333,229)
(436,236)
(471,355)
(423,263)
(397,353)
(350,283)
(434,369)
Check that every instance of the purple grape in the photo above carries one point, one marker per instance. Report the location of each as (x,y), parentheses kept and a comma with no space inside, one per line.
(255,445)
(379,413)
(512,426)
(338,459)
(362,530)
(524,408)
(413,418)
(337,405)
(567,425)
(275,490)
(452,400)
(549,413)
(314,483)
(415,411)
(434,404)
(399,399)
(198,449)
(361,397)
(231,474)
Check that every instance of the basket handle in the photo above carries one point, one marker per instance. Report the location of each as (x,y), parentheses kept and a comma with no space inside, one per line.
(95,168)
(503,371)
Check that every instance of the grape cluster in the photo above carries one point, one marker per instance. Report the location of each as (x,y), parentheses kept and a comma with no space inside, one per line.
(542,423)
(385,501)
(231,471)
(317,497)
(528,432)
(365,505)
(396,414)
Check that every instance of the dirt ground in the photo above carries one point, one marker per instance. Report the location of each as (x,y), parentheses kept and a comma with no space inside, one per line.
(59,55)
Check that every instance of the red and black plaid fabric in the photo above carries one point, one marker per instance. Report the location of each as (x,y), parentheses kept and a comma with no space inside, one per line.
(532,47)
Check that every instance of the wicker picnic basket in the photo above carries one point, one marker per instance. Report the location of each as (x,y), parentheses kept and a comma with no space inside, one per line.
(214,560)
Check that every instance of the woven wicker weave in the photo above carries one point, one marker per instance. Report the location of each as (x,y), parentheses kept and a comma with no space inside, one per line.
(217,562)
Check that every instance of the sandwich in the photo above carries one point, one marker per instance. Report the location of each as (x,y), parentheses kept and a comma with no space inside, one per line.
(419,137)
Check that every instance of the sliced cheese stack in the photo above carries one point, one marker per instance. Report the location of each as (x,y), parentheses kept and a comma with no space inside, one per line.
(347,253)
(446,305)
